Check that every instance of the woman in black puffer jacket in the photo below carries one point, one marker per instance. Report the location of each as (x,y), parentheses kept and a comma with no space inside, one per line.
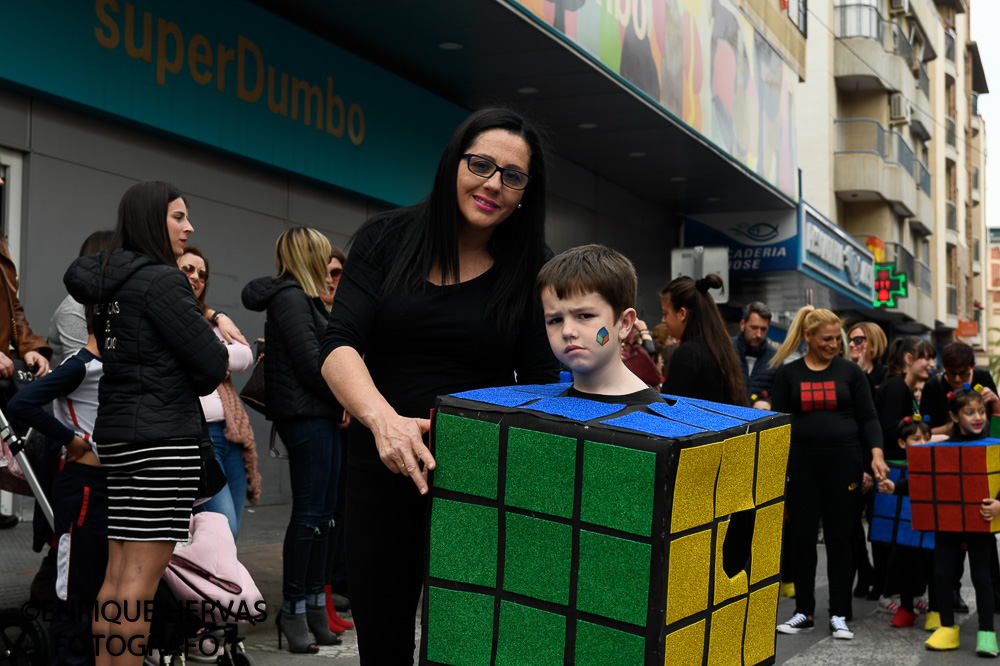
(305,414)
(159,355)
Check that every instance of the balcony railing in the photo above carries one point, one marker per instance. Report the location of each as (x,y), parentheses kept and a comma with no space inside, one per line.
(952,300)
(952,215)
(949,46)
(866,135)
(866,21)
(924,277)
(924,81)
(949,128)
(923,178)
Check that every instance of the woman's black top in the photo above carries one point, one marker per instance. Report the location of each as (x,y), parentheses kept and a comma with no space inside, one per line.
(694,373)
(830,408)
(893,401)
(434,341)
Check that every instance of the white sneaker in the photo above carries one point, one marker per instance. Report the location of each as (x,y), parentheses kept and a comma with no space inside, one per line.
(838,627)
(797,625)
(921,604)
(887,605)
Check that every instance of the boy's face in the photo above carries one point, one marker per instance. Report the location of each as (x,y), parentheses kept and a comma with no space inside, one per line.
(583,331)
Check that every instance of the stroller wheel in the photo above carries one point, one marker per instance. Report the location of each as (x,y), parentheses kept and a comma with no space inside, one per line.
(23,642)
(241,659)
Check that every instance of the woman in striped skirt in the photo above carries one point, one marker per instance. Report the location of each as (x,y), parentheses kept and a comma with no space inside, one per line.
(159,355)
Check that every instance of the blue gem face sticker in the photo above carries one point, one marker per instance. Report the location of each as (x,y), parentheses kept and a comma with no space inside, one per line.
(602,336)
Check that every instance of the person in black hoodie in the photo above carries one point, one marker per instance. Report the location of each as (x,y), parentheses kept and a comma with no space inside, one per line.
(159,355)
(306,415)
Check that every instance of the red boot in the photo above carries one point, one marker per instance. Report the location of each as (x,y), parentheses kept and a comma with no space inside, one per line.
(332,618)
(903,618)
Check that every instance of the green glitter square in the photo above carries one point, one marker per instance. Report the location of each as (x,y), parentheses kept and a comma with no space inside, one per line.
(599,646)
(459,627)
(618,488)
(467,454)
(541,472)
(530,637)
(538,557)
(464,542)
(614,578)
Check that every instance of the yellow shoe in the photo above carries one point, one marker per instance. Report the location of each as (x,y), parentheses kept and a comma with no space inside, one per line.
(932,621)
(788,590)
(944,638)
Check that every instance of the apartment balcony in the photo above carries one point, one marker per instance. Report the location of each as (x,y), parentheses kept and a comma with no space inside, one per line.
(952,319)
(870,52)
(976,121)
(951,216)
(976,196)
(925,299)
(950,139)
(977,267)
(923,216)
(949,54)
(874,163)
(922,117)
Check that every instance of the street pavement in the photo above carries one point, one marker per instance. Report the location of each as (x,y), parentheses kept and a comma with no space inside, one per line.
(259,546)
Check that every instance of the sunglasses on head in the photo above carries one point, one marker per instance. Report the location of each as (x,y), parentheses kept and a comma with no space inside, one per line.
(190,270)
(336,273)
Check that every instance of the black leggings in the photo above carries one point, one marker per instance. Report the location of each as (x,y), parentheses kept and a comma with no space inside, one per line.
(947,552)
(909,570)
(823,483)
(384,535)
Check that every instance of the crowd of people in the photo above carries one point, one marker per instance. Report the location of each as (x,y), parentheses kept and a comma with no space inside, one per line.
(141,376)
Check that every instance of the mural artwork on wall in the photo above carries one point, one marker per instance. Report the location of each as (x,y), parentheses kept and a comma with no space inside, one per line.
(700,60)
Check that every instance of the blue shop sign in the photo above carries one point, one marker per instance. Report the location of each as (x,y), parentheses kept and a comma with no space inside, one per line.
(230,75)
(832,253)
(757,242)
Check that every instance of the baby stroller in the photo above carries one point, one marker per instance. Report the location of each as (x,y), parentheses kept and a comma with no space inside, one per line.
(203,597)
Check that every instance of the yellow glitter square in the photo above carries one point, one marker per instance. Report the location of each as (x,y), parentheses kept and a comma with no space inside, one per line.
(725,644)
(772,463)
(686,646)
(759,642)
(725,587)
(687,575)
(993,458)
(994,481)
(765,553)
(694,490)
(734,490)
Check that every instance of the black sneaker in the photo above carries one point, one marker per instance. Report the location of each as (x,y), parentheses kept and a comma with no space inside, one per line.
(797,625)
(959,604)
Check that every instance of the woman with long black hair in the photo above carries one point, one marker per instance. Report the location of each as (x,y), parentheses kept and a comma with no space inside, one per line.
(435,298)
(160,355)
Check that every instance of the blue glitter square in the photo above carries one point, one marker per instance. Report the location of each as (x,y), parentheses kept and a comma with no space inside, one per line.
(653,425)
(503,397)
(741,413)
(885,505)
(881,530)
(905,536)
(684,412)
(577,409)
(551,390)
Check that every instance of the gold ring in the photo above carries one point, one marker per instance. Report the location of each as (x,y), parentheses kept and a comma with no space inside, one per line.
(402,467)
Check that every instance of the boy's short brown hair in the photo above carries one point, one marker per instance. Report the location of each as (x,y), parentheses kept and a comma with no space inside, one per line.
(591,268)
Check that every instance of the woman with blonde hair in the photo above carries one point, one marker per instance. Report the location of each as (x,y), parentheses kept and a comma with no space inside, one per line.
(305,414)
(868,343)
(833,416)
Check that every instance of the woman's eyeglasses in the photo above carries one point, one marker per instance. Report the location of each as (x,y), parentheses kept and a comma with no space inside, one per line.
(336,273)
(191,270)
(858,340)
(485,168)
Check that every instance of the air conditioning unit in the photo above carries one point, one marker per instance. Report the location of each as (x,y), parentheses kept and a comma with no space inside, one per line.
(899,7)
(899,111)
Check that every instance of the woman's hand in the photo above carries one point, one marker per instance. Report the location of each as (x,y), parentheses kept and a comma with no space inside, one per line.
(37,361)
(990,509)
(879,467)
(401,447)
(230,332)
(886,486)
(866,483)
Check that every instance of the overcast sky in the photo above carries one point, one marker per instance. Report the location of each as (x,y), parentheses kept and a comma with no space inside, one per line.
(985,18)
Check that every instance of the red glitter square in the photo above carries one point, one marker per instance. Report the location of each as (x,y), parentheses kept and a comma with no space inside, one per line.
(974,459)
(973,521)
(921,487)
(946,459)
(922,516)
(975,487)
(947,488)
(949,518)
(919,458)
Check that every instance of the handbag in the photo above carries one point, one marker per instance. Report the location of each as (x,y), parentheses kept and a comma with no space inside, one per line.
(211,478)
(253,391)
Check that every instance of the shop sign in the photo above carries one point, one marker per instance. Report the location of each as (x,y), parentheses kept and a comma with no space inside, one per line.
(831,252)
(888,285)
(967,329)
(757,242)
(233,77)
